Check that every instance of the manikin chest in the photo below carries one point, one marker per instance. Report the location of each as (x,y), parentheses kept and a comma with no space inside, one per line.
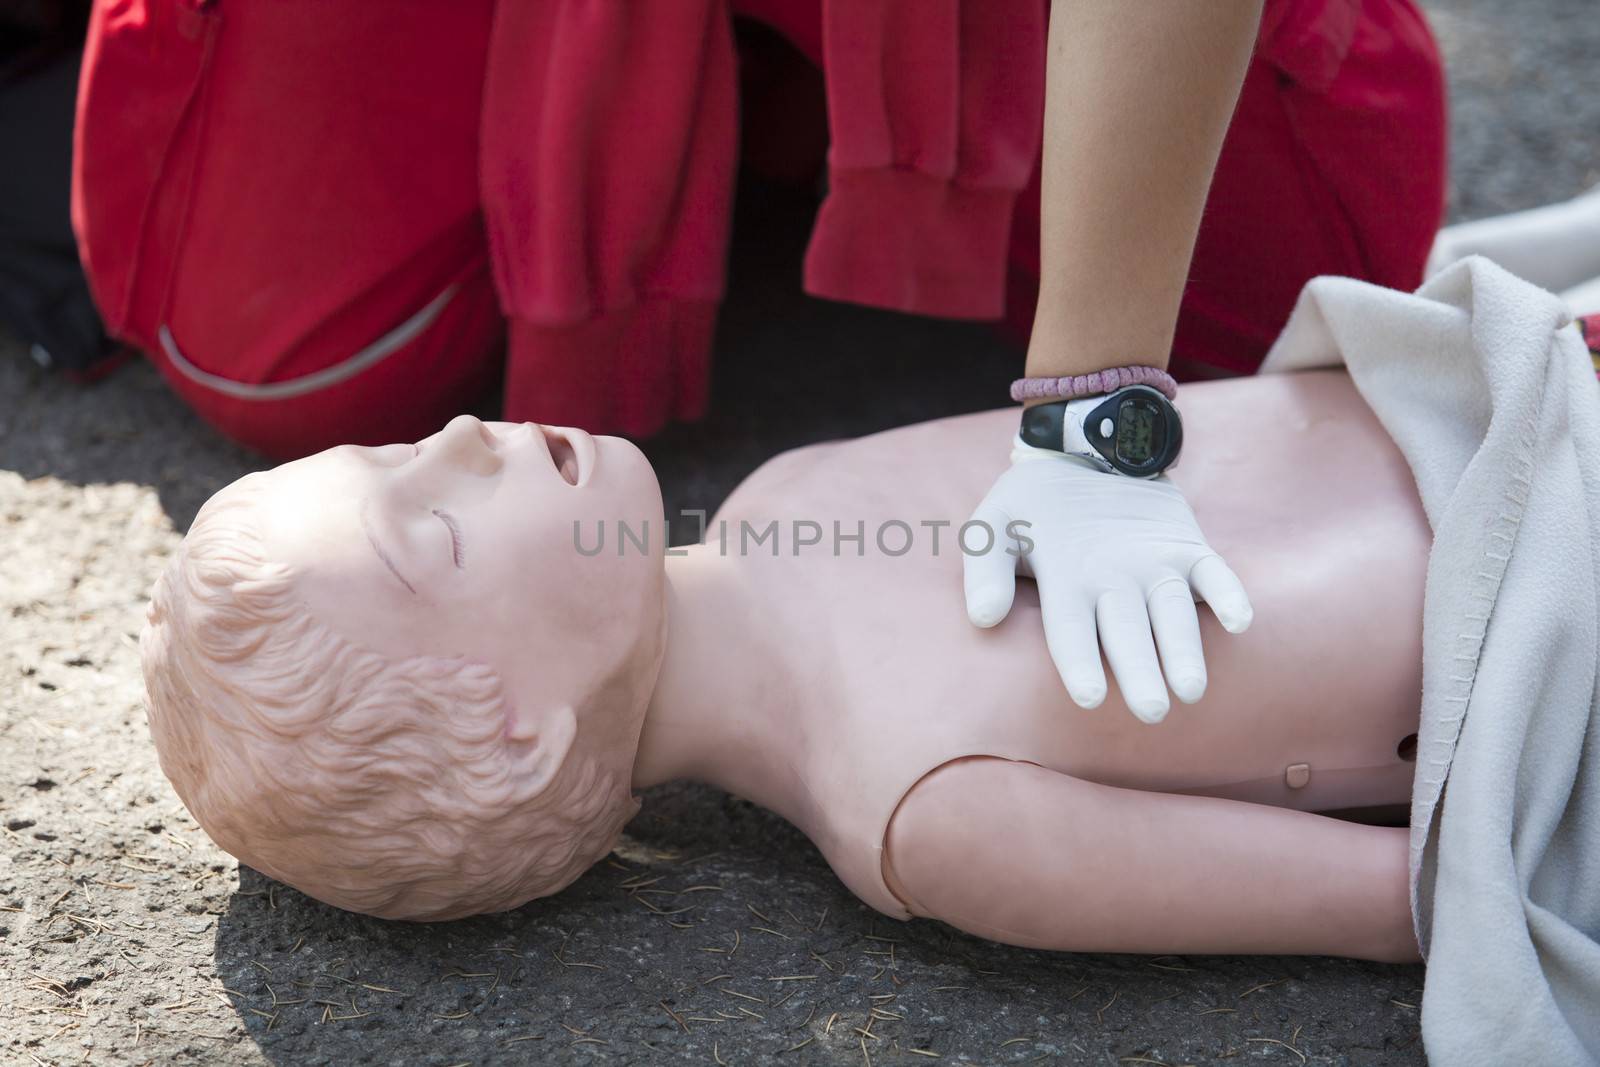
(1310,708)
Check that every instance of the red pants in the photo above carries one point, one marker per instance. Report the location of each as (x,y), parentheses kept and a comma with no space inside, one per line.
(317,220)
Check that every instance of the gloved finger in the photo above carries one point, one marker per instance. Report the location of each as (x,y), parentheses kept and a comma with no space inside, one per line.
(1069,633)
(1221,588)
(1125,635)
(1177,631)
(989,576)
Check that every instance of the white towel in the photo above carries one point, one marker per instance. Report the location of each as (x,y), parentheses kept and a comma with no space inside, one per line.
(1584,299)
(1489,392)
(1555,246)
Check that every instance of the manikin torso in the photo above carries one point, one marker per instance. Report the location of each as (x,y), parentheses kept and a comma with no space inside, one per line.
(862,674)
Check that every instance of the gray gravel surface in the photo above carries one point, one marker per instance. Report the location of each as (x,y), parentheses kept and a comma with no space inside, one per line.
(715,933)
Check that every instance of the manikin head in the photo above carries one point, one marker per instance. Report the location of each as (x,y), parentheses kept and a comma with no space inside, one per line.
(387,676)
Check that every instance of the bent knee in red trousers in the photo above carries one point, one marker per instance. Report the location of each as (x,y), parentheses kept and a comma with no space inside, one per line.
(279,204)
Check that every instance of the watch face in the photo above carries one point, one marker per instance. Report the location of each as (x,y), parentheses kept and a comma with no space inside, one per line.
(1141,432)
(1135,431)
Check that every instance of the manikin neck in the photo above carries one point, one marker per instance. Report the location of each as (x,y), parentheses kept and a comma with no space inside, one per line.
(725,707)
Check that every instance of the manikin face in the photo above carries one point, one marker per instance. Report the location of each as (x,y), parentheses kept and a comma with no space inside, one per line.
(463,545)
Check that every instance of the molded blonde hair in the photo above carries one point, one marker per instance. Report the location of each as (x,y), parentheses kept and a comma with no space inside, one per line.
(380,785)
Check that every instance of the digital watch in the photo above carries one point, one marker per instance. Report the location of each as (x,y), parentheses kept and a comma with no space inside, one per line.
(1134,430)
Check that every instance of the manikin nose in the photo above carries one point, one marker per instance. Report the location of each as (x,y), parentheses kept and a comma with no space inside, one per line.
(465,442)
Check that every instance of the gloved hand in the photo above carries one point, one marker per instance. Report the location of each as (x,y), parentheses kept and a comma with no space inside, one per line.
(1112,554)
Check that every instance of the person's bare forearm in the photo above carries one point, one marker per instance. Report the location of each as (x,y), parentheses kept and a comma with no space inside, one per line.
(1138,97)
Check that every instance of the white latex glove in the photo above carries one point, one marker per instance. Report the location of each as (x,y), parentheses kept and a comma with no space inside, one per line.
(1113,556)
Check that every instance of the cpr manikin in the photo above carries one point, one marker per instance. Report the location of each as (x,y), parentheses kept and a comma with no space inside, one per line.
(405,681)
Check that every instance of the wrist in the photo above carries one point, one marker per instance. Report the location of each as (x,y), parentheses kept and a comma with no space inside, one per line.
(1058,351)
(1023,452)
(1032,391)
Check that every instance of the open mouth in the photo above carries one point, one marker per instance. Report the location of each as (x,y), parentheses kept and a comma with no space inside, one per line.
(563,454)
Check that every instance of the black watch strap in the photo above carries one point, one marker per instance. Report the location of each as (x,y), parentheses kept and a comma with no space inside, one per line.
(1041,425)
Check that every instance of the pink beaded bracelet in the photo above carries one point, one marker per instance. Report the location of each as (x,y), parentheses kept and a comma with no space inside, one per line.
(1096,384)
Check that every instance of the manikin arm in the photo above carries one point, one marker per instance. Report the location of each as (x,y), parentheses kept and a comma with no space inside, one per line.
(1018,853)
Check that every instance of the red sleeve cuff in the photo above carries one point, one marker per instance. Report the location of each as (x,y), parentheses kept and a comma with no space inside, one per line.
(908,241)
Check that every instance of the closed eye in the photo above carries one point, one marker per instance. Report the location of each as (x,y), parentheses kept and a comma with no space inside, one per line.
(456,553)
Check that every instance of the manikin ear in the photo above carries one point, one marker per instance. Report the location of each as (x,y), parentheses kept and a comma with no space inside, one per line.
(549,736)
